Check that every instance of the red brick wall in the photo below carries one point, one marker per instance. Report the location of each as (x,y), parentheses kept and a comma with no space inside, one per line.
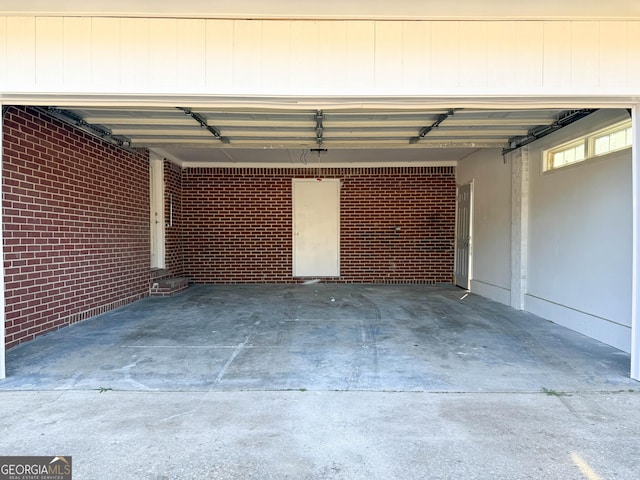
(174,261)
(237,224)
(76,225)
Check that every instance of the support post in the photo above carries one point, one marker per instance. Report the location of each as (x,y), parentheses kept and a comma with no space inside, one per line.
(519,225)
(635,280)
(3,322)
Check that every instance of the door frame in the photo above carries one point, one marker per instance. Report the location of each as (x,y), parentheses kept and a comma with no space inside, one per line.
(470,237)
(156,212)
(300,181)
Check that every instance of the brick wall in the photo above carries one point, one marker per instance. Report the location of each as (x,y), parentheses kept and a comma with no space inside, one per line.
(76,224)
(174,261)
(397,224)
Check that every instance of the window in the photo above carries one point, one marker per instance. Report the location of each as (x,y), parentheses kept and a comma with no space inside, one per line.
(611,139)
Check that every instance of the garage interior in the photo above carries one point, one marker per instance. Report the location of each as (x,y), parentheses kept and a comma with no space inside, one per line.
(367,328)
(360,169)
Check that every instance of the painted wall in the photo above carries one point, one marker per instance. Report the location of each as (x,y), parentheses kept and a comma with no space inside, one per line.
(491,239)
(54,55)
(76,225)
(397,224)
(578,264)
(580,234)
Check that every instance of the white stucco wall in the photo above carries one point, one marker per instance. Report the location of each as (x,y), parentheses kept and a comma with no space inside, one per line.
(580,239)
(491,222)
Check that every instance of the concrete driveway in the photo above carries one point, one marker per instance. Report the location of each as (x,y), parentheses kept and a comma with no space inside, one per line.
(322,381)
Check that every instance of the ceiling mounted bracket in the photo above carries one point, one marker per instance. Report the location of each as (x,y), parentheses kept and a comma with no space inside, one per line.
(425,131)
(203,123)
(77,121)
(565,119)
(319,128)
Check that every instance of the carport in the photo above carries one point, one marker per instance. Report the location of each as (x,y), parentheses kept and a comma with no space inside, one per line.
(335,108)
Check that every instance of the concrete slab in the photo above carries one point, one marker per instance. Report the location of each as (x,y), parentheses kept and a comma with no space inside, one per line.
(317,337)
(319,382)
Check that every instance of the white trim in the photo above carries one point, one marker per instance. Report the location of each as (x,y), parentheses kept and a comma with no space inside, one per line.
(332,270)
(601,329)
(451,163)
(635,275)
(492,292)
(358,10)
(437,99)
(456,257)
(3,320)
(156,178)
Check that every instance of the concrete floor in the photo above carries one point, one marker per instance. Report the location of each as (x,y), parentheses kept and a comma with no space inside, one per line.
(322,381)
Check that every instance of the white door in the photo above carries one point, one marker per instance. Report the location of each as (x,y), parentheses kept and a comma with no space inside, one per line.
(316,227)
(463,235)
(156,214)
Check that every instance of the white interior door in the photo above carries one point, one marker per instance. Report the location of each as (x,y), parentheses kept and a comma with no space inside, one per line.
(156,214)
(316,227)
(463,235)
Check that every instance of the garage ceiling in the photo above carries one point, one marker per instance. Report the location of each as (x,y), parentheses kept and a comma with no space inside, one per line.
(193,135)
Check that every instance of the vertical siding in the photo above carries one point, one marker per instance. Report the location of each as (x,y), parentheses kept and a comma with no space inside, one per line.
(613,53)
(528,62)
(585,58)
(134,53)
(192,54)
(416,56)
(49,49)
(163,54)
(557,53)
(3,50)
(304,67)
(501,51)
(219,74)
(388,58)
(77,54)
(21,53)
(362,46)
(105,54)
(263,57)
(445,55)
(633,47)
(473,54)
